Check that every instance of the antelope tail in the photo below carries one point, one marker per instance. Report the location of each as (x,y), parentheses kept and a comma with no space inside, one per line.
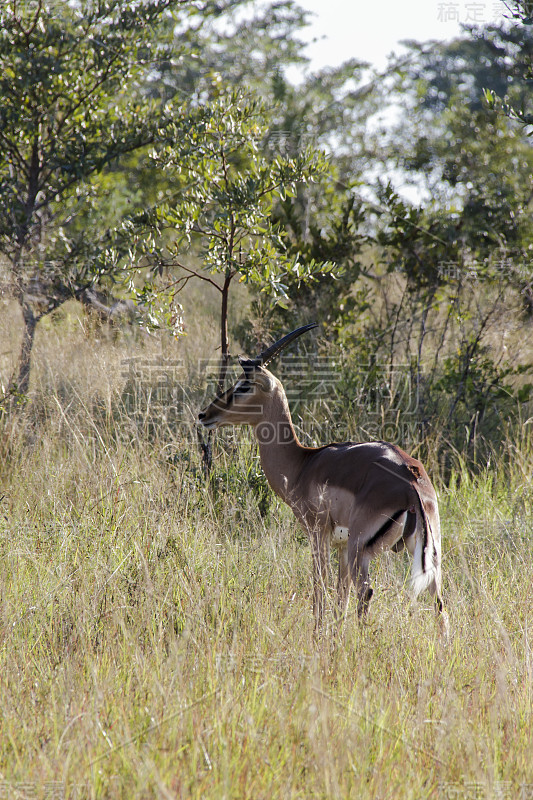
(425,573)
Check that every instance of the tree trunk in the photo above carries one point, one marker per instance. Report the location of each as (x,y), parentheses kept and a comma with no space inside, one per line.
(224,340)
(206,445)
(21,384)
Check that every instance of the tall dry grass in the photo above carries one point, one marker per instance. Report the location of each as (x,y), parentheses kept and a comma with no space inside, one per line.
(156,632)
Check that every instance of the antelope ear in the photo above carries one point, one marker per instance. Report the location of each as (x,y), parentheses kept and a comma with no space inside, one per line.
(263,380)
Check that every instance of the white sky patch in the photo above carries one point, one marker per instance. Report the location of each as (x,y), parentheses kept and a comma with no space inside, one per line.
(371,31)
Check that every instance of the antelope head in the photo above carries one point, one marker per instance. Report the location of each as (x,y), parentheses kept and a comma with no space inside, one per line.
(244,402)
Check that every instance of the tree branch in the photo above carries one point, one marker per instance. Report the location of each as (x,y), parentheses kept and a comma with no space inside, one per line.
(192,273)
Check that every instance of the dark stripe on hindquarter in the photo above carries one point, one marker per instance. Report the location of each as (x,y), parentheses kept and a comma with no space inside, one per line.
(426,535)
(385,528)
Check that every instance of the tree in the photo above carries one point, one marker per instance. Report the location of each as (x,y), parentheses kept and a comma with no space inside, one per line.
(218,226)
(461,253)
(237,48)
(467,160)
(69,108)
(430,279)
(443,87)
(517,108)
(221,214)
(262,51)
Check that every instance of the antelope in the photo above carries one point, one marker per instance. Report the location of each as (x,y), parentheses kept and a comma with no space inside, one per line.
(358,497)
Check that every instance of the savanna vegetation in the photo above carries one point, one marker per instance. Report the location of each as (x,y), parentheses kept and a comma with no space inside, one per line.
(177,186)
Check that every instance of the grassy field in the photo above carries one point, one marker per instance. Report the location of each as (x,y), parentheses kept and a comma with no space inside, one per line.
(157,636)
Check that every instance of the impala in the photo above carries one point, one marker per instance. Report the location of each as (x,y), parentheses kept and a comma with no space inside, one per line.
(360,498)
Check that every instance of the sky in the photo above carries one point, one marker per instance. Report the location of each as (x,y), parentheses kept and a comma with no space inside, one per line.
(370,31)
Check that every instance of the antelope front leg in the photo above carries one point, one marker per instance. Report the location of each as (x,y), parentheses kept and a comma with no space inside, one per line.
(359,562)
(343,583)
(320,550)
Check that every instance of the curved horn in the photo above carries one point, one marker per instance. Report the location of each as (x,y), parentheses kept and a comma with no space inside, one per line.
(249,364)
(272,351)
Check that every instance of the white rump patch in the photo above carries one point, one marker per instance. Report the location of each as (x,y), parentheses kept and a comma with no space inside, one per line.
(339,535)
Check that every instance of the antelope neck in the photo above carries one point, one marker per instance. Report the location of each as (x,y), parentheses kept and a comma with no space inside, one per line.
(282,455)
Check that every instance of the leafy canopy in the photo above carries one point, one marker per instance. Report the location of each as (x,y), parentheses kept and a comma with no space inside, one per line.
(221,211)
(68,79)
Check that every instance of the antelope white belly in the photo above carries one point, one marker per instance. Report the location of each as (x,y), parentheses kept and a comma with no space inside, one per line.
(339,536)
